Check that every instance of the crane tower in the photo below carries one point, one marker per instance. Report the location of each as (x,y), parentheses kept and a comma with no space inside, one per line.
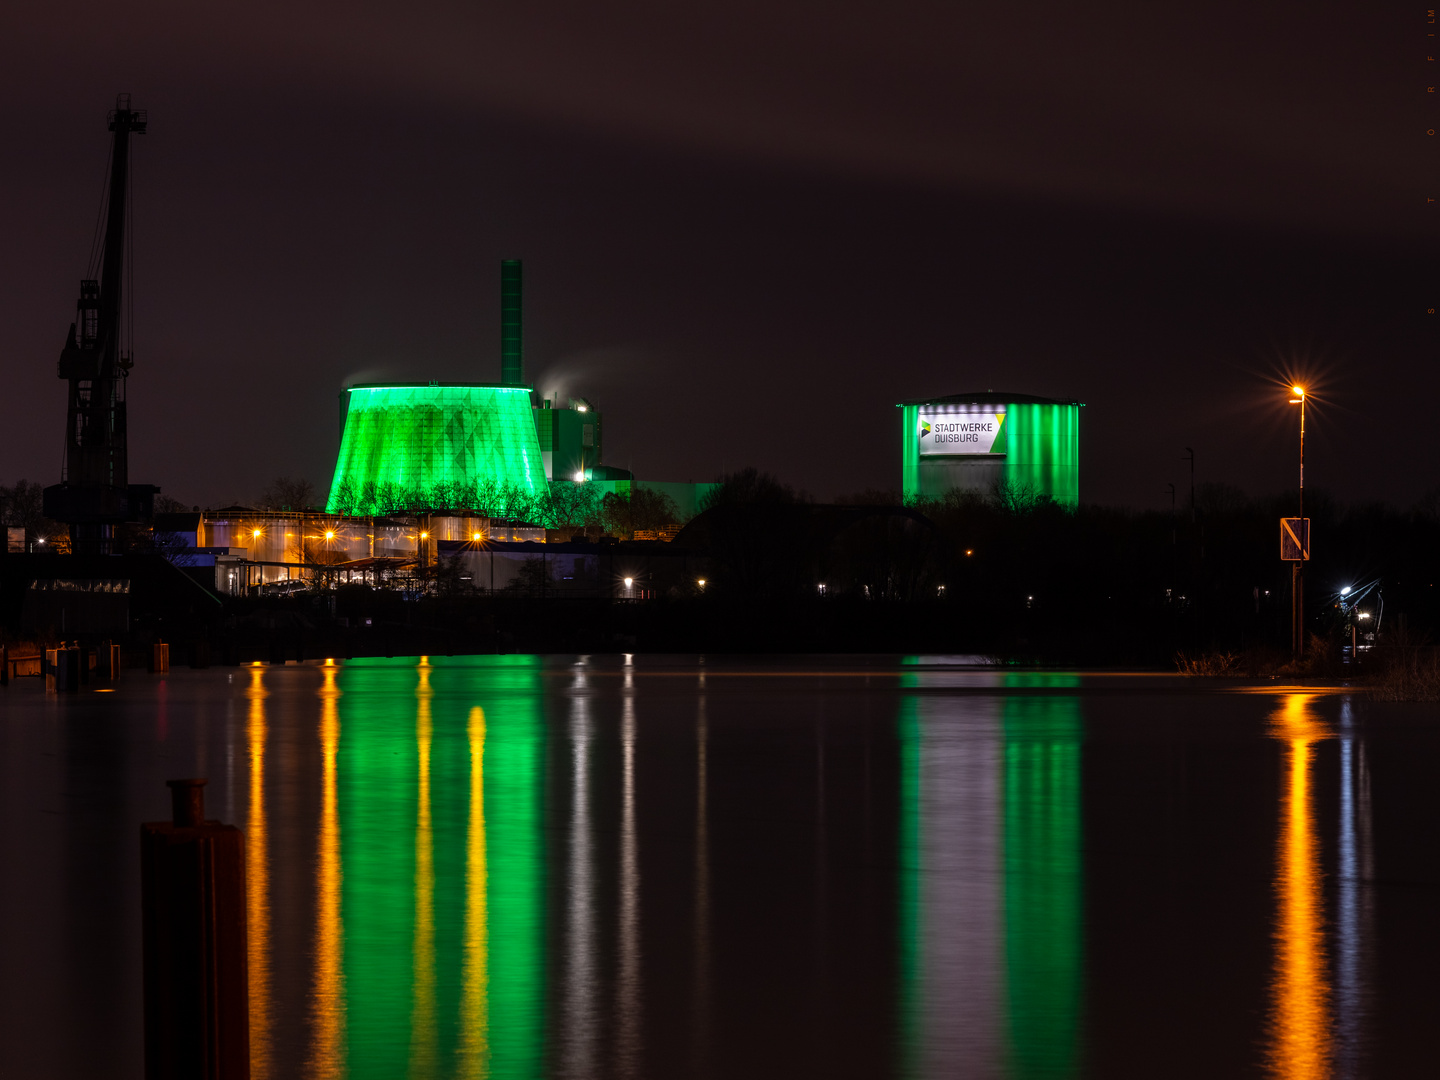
(95,494)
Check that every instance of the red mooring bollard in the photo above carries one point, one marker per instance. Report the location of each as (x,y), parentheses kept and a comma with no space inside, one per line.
(197,994)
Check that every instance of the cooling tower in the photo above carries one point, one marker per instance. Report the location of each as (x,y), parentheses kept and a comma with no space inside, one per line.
(416,436)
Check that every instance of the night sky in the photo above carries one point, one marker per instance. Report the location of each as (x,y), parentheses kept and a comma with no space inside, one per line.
(748,229)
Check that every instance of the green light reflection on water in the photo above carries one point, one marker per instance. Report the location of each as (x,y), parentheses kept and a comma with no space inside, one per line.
(457,990)
(1043,882)
(1040,876)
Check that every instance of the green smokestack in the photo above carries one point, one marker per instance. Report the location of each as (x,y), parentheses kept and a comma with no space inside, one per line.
(512,363)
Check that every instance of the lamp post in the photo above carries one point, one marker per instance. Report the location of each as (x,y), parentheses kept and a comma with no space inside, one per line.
(1297,572)
(1170,597)
(1191,454)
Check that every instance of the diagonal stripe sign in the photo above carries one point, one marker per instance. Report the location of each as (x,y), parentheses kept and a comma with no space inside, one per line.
(1291,547)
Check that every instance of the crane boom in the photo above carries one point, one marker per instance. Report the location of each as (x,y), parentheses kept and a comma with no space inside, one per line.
(95,493)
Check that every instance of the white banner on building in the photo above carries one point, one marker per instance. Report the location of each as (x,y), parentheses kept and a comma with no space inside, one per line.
(960,429)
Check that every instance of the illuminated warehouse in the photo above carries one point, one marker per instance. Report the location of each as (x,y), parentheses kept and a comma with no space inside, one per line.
(991,444)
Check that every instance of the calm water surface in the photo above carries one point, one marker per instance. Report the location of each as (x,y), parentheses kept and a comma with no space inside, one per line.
(669,867)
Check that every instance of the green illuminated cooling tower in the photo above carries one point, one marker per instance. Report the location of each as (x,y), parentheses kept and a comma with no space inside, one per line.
(1004,445)
(418,436)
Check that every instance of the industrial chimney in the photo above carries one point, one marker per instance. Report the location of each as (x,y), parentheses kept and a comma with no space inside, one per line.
(512,361)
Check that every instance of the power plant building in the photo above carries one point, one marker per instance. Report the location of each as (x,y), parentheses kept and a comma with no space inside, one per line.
(991,444)
(441,445)
(433,442)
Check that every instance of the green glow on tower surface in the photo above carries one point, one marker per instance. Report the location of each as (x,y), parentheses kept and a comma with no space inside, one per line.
(419,435)
(1044,450)
(1023,448)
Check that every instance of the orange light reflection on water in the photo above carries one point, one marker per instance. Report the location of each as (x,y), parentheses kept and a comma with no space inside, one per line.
(327,998)
(257,884)
(474,1048)
(1300,1013)
(424,1036)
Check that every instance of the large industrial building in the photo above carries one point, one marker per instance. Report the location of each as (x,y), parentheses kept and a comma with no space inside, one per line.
(429,437)
(991,444)
(437,441)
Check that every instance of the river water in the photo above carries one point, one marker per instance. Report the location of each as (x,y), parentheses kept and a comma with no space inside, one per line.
(717,867)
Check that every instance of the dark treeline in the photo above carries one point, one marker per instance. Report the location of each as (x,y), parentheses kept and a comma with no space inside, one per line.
(765,568)
(1018,577)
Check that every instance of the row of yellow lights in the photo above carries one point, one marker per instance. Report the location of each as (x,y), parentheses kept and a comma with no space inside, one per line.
(330,534)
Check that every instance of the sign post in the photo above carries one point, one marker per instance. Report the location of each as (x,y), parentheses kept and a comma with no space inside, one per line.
(1295,549)
(1295,539)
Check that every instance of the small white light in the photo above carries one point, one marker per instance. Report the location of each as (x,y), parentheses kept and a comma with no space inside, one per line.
(629,581)
(702,583)
(1345,591)
(580,477)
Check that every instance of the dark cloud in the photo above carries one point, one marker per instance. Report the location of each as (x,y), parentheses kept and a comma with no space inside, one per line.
(796,213)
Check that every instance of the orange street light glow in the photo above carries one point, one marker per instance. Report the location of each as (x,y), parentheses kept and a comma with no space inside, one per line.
(330,536)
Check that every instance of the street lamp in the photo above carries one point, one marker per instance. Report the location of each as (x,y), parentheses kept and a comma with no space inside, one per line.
(1299,399)
(1297,573)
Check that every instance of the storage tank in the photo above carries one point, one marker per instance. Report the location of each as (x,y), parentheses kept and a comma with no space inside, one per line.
(1015,445)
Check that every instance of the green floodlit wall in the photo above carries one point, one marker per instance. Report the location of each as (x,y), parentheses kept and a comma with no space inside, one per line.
(910,451)
(417,436)
(1042,454)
